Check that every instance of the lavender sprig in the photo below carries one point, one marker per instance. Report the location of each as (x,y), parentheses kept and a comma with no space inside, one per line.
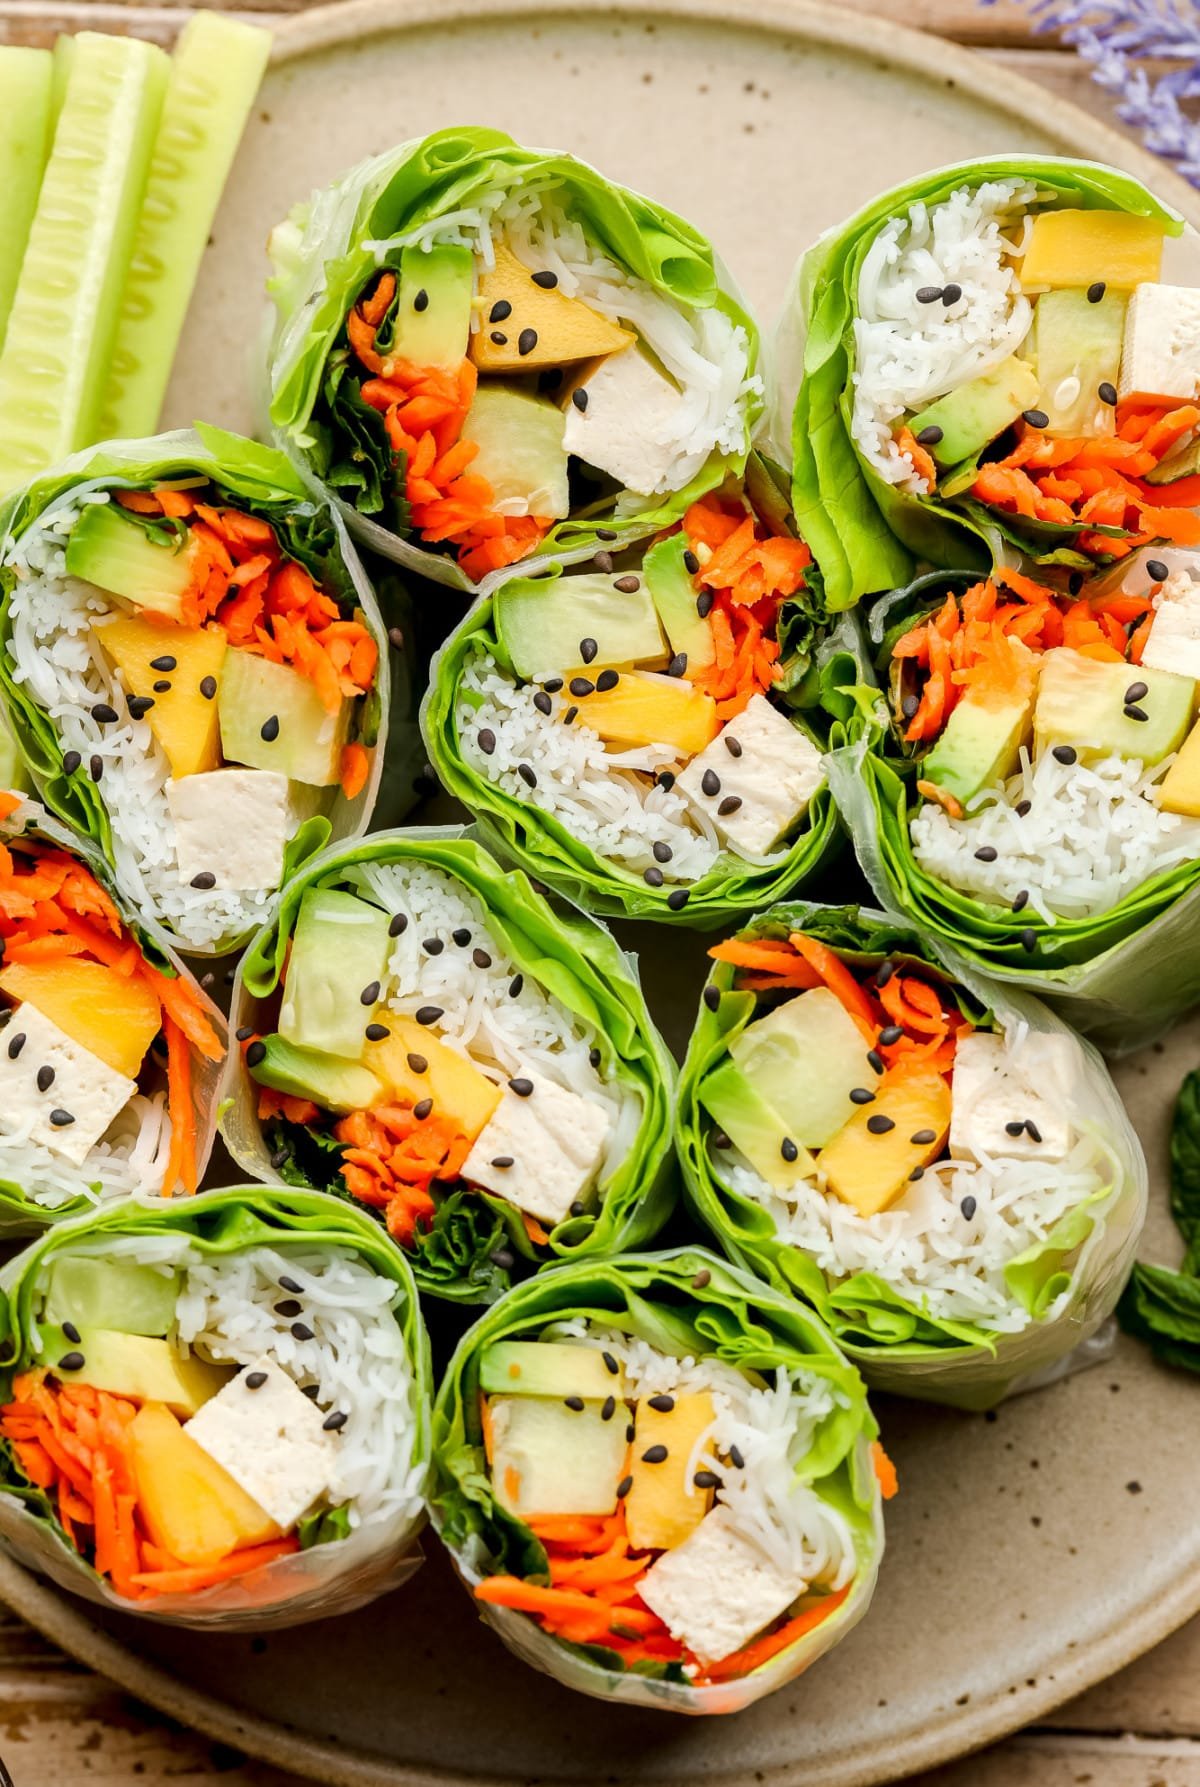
(1114,36)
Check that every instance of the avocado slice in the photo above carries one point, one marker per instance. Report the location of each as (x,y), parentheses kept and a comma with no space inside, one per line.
(333,1084)
(519,437)
(340,950)
(116,554)
(1077,347)
(431,325)
(981,742)
(107,1293)
(804,1059)
(977,412)
(1184,462)
(674,595)
(1082,702)
(544,622)
(547,1368)
(133,1365)
(738,1107)
(305,742)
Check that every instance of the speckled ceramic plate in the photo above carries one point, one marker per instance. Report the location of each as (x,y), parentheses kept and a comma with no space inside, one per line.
(1030,1553)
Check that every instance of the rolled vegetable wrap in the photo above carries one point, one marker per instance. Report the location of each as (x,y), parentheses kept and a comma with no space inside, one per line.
(216,1414)
(946,1174)
(491,353)
(193,665)
(1033,799)
(423,1034)
(110,1055)
(647,734)
(660,1481)
(991,361)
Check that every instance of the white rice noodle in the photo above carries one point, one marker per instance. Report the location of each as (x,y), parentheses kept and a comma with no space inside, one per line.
(356,1360)
(1092,834)
(704,350)
(57,661)
(772,1422)
(504,1036)
(129,1160)
(908,353)
(603,798)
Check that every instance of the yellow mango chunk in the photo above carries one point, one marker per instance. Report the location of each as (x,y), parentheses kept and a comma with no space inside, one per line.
(112,1015)
(664,1504)
(534,326)
(871,1170)
(1179,790)
(1076,248)
(457,1088)
(192,1508)
(645,709)
(183,719)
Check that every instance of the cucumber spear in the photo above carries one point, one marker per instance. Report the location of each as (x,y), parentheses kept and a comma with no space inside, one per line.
(26,111)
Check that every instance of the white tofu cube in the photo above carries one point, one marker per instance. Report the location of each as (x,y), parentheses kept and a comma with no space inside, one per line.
(266,1433)
(992,1088)
(775,776)
(717,1590)
(627,424)
(553,1141)
(82,1092)
(233,824)
(1173,642)
(1160,356)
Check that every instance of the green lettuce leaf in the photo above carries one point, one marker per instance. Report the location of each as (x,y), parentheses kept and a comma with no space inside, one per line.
(1159,1306)
(337,1569)
(899,1345)
(865,533)
(477,1239)
(683,1302)
(330,247)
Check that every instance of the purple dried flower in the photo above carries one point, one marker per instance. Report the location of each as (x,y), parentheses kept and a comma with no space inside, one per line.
(1114,36)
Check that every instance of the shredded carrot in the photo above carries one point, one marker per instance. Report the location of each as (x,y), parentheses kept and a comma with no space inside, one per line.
(356,765)
(392,1159)
(885,1470)
(838,978)
(187,1580)
(8,803)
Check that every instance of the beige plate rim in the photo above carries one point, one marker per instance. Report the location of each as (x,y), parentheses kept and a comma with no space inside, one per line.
(66,1623)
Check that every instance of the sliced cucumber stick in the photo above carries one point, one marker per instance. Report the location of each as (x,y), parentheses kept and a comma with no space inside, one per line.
(55,360)
(26,110)
(215,75)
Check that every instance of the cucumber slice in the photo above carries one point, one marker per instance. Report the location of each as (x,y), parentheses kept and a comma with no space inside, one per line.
(26,100)
(215,75)
(55,359)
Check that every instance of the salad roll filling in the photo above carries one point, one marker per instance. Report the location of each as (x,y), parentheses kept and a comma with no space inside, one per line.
(102,1047)
(193,1417)
(211,680)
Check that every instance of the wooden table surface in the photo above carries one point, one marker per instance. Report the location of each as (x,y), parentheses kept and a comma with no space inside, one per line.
(64,1726)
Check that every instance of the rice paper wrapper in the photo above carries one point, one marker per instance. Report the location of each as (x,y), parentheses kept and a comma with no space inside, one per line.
(655,1296)
(19,1213)
(574,959)
(328,247)
(245,471)
(1068,1285)
(322,1582)
(541,843)
(867,534)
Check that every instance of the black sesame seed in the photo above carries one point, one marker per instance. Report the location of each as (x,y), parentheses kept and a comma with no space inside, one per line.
(921,1138)
(653,877)
(503,1258)
(704,602)
(288,1308)
(876,1060)
(433,946)
(628,585)
(312,1391)
(884,973)
(396,638)
(1032,1130)
(500,310)
(140,705)
(60,1119)
(574,1402)
(72,1362)
(1021,901)
(891,1033)
(862,1095)
(579,398)
(929,437)
(290,1284)
(1023,807)
(729,805)
(595,1057)
(712,998)
(736,1459)
(1096,291)
(879,1124)
(335,1422)
(269,730)
(45,1078)
(279,1157)
(499,337)
(256,1053)
(521,1087)
(552,684)
(788,1149)
(1136,713)
(662,852)
(623,1488)
(928,294)
(487,740)
(917,1173)
(678,899)
(515,985)
(706,1480)
(581,686)
(663,1403)
(543,703)
(986,853)
(610,1363)
(417,1064)
(1065,753)
(607,533)
(732,745)
(655,1455)
(208,687)
(569,715)
(1029,941)
(951,294)
(481,958)
(526,341)
(909,706)
(588,649)
(678,664)
(72,1332)
(301,1331)
(607,679)
(398,925)
(369,994)
(691,563)
(968,1207)
(502,1161)
(104,713)
(1135,691)
(204,880)
(71,762)
(1157,570)
(96,768)
(166,662)
(710,782)
(546,280)
(1015,1129)
(1036,418)
(428,1014)
(665,778)
(527,774)
(1107,393)
(161,686)
(422,1108)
